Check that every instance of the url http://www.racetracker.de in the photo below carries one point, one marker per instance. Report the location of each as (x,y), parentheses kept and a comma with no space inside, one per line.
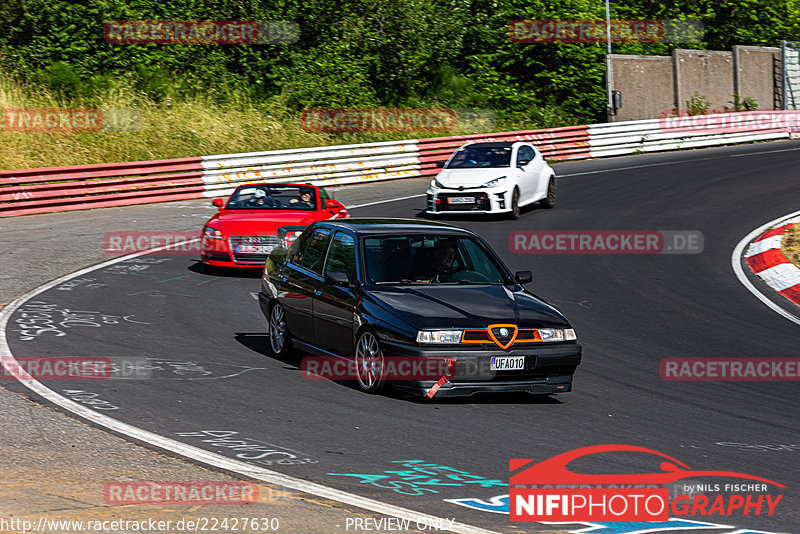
(196,524)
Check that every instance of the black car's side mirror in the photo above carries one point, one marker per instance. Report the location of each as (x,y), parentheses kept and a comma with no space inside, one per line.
(440,164)
(523,277)
(337,279)
(523,162)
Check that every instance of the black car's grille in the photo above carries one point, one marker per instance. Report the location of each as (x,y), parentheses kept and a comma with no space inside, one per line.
(525,335)
(465,372)
(481,202)
(237,241)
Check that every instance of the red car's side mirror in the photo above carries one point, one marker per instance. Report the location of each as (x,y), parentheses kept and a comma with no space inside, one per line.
(218,202)
(335,204)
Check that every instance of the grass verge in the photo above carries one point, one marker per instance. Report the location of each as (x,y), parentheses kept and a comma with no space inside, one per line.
(204,124)
(790,245)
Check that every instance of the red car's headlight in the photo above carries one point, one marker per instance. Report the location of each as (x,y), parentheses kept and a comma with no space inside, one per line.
(212,233)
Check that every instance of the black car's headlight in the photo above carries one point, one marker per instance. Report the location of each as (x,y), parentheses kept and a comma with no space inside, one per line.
(557,334)
(212,233)
(439,336)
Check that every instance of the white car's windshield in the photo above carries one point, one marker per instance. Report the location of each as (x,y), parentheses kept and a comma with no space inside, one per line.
(477,156)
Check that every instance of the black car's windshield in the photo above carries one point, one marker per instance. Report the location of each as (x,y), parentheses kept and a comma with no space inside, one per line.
(430,259)
(273,197)
(481,156)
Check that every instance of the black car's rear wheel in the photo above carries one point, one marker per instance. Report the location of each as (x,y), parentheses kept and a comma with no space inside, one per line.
(369,363)
(278,333)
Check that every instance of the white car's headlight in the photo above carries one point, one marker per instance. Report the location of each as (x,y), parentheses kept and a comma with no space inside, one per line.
(439,336)
(496,182)
(212,233)
(556,334)
(437,184)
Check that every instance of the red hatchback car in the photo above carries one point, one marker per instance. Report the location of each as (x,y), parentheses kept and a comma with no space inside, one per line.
(245,230)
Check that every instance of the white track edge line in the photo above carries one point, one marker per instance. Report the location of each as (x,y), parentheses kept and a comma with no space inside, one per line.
(737,267)
(196,453)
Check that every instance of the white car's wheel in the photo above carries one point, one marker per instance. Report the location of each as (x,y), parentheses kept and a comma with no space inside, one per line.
(515,209)
(550,200)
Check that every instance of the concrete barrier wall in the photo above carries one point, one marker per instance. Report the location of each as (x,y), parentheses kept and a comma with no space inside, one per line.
(653,85)
(648,83)
(706,73)
(757,73)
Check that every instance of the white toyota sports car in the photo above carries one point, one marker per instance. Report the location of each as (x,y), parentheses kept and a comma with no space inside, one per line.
(492,178)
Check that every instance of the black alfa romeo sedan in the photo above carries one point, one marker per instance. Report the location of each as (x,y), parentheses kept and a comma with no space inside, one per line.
(381,299)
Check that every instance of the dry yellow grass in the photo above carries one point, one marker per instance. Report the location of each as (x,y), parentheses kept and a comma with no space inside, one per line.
(790,245)
(172,128)
(169,129)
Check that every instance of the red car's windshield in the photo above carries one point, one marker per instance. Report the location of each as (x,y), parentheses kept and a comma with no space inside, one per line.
(273,197)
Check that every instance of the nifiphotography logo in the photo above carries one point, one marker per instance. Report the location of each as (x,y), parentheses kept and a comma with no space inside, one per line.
(548,491)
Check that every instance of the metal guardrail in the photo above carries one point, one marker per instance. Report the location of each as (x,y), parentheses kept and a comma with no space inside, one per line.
(92,186)
(49,189)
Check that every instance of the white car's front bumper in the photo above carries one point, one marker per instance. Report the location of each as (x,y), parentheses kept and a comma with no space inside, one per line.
(486,200)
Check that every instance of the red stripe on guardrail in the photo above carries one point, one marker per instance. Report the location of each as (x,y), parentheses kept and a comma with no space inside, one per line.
(195,163)
(44,190)
(89,187)
(571,142)
(159,196)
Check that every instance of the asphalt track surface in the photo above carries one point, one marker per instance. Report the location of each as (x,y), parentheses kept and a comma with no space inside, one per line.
(205,370)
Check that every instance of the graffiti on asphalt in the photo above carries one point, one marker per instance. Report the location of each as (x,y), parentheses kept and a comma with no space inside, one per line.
(87,283)
(35,318)
(88,398)
(419,477)
(251,449)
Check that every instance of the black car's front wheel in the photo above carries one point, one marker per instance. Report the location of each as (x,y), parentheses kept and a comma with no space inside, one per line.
(278,333)
(369,363)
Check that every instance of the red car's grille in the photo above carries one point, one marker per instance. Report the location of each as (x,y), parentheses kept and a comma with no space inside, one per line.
(252,248)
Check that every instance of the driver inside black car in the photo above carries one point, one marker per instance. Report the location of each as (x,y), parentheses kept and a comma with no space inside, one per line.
(439,265)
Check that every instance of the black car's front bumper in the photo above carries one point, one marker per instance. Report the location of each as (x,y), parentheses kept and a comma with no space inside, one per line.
(548,369)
